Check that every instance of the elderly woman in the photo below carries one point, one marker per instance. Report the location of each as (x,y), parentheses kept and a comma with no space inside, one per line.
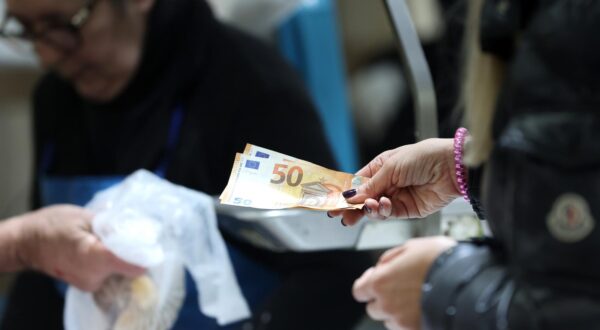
(161,85)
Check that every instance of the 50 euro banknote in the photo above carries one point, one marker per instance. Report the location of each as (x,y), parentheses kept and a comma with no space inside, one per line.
(262,178)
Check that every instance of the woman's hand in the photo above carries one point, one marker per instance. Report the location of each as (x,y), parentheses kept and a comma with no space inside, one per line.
(58,240)
(392,288)
(411,181)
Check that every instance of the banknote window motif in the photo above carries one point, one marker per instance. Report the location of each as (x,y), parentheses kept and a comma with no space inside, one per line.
(262,154)
(252,164)
(320,194)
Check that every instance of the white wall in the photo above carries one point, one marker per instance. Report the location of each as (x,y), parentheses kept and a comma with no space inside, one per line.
(15,139)
(18,74)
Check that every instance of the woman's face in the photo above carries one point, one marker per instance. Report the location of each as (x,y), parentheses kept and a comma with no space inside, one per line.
(99,58)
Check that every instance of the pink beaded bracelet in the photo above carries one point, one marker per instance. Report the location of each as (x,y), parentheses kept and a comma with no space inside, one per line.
(461,172)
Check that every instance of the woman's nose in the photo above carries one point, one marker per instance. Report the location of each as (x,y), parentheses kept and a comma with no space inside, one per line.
(49,56)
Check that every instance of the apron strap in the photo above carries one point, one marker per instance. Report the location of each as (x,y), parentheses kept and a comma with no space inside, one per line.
(172,140)
(47,157)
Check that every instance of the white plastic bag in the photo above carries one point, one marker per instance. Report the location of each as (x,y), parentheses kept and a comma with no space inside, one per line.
(152,223)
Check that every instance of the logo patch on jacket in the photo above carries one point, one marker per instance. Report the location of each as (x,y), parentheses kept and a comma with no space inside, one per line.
(570,219)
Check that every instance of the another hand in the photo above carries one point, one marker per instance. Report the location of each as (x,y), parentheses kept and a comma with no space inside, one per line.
(411,181)
(392,288)
(58,240)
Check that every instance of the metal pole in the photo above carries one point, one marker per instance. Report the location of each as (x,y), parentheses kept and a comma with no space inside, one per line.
(415,64)
(422,88)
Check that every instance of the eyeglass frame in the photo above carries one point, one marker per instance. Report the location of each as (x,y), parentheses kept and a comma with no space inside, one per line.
(73,26)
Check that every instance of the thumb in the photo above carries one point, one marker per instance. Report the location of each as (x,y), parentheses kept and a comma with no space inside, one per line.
(362,288)
(115,265)
(126,269)
(371,189)
(391,254)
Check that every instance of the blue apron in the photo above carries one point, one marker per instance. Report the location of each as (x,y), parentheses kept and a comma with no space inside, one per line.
(256,281)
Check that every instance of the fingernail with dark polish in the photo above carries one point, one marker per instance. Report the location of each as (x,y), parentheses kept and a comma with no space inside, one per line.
(343,224)
(349,193)
(367,209)
(329,215)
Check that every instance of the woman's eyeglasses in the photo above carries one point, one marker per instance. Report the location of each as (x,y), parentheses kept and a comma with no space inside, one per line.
(64,36)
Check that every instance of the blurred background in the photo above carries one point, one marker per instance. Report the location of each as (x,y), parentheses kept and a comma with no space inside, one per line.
(346,51)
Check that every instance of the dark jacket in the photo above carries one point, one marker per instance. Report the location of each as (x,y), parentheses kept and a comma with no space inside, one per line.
(234,90)
(541,186)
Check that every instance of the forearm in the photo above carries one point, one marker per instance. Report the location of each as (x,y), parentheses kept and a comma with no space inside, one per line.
(11,244)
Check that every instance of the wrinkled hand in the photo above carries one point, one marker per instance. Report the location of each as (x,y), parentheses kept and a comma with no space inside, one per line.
(392,288)
(412,181)
(58,240)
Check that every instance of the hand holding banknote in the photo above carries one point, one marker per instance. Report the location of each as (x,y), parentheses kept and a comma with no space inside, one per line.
(411,181)
(262,178)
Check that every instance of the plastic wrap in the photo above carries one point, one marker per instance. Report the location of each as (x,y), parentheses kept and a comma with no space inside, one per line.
(165,228)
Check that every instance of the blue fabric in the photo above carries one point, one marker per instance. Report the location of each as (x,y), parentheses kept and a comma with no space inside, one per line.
(172,140)
(309,39)
(73,190)
(256,281)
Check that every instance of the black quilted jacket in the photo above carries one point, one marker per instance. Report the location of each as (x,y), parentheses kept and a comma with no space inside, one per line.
(541,186)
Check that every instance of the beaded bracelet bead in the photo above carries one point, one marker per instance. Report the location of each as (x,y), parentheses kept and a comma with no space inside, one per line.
(461,172)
